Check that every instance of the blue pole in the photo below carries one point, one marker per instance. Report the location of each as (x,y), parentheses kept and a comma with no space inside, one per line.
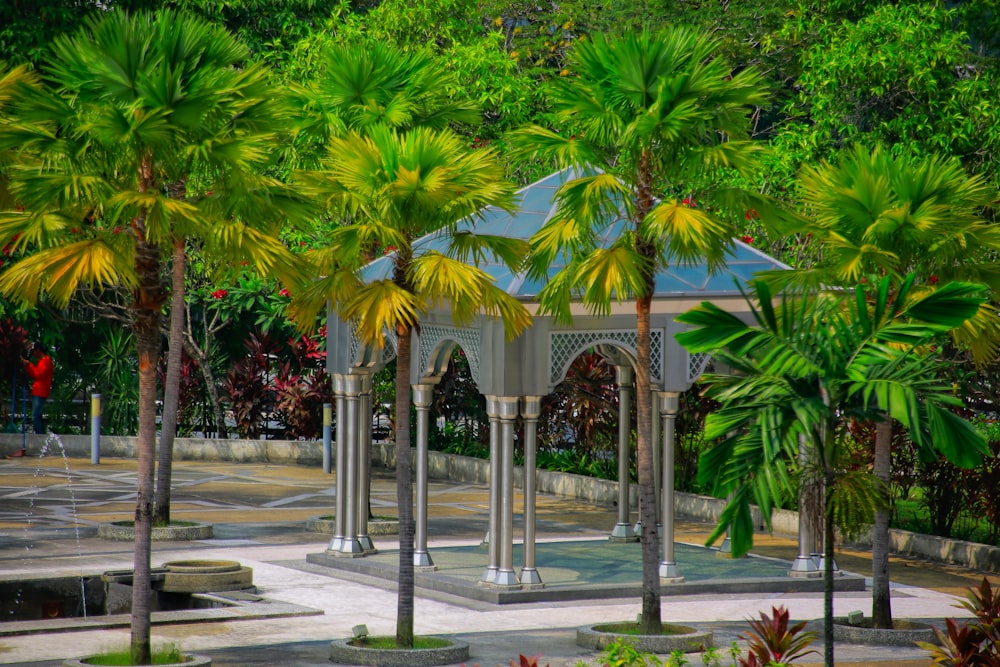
(327,428)
(95,429)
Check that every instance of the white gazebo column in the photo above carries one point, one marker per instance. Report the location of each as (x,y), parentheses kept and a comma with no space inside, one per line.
(341,480)
(506,577)
(657,464)
(351,546)
(365,461)
(804,566)
(531,408)
(669,404)
(493,532)
(622,532)
(422,396)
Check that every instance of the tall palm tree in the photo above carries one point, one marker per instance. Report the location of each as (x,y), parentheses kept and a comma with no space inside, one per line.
(801,371)
(876,213)
(655,120)
(99,142)
(398,187)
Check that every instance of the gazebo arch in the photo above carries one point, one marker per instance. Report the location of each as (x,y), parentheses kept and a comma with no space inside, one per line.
(515,375)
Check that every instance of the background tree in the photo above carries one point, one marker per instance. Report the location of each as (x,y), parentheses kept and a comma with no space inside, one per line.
(662,117)
(98,144)
(802,370)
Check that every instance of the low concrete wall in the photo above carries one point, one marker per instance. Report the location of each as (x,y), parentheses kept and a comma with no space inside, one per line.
(476,471)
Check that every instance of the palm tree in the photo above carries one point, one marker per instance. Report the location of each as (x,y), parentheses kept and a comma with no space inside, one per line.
(654,121)
(806,367)
(99,143)
(881,214)
(397,187)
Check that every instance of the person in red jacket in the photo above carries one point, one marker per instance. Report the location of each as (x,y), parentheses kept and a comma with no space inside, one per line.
(39,368)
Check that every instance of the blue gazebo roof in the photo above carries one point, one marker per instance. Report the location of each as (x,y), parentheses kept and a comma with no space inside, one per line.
(536,203)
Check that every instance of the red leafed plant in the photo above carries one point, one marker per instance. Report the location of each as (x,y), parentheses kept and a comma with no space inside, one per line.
(524,661)
(975,643)
(772,640)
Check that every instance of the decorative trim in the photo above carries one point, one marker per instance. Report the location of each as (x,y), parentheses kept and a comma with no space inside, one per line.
(696,365)
(467,339)
(567,346)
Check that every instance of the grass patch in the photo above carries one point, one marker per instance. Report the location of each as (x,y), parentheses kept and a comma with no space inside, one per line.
(169,655)
(631,628)
(333,517)
(389,643)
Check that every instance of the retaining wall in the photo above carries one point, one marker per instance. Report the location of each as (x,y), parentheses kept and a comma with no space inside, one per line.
(466,469)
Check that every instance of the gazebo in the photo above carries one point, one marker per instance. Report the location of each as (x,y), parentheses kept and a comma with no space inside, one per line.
(514,376)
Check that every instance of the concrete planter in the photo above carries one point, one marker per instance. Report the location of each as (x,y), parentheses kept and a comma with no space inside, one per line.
(675,638)
(189,661)
(904,633)
(125,531)
(344,653)
(327,525)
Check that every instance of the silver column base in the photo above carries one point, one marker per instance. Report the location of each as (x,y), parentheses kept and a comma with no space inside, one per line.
(336,544)
(351,548)
(622,533)
(669,573)
(423,561)
(530,578)
(489,576)
(366,543)
(506,579)
(804,567)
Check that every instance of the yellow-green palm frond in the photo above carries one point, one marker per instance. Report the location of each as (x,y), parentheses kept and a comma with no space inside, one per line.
(468,246)
(381,306)
(539,142)
(311,297)
(11,79)
(616,273)
(22,230)
(981,335)
(561,235)
(853,499)
(40,190)
(854,262)
(595,199)
(238,242)
(687,235)
(162,213)
(468,290)
(59,271)
(354,242)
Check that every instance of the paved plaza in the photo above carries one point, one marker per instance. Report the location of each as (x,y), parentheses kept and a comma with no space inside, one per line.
(50,508)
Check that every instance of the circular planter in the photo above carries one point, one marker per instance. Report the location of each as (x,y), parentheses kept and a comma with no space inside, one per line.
(903,633)
(344,653)
(189,661)
(125,531)
(206,576)
(377,526)
(674,638)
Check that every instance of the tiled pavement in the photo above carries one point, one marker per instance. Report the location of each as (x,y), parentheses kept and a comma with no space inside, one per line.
(50,508)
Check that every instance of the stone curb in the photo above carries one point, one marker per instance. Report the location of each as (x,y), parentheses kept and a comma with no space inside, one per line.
(190,661)
(683,638)
(343,653)
(856,634)
(319,524)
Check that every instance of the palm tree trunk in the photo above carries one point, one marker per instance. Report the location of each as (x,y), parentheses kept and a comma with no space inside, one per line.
(148,301)
(651,622)
(171,387)
(881,603)
(828,536)
(404,491)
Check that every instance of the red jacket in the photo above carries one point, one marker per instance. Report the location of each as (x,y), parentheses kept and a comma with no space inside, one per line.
(40,373)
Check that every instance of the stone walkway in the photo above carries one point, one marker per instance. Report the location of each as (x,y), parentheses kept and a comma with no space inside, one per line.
(50,508)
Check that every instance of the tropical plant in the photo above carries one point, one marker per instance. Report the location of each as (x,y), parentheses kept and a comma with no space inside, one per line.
(974,643)
(100,140)
(652,121)
(875,213)
(807,366)
(771,640)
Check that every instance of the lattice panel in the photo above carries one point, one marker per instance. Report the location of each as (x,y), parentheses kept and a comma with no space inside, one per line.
(565,347)
(468,339)
(696,365)
(388,352)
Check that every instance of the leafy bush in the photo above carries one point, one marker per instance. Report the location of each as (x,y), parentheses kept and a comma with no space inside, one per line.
(772,641)
(975,643)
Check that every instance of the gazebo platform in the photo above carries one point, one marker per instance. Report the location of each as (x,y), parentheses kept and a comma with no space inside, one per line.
(585,569)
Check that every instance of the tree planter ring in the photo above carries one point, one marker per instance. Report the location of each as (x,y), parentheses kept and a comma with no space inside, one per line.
(377,526)
(125,531)
(675,638)
(189,661)
(904,633)
(342,652)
